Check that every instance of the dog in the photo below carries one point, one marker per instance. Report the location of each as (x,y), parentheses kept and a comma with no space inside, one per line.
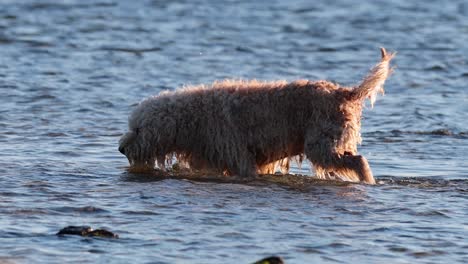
(244,128)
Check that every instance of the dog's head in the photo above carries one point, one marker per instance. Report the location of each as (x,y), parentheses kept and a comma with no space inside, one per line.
(134,145)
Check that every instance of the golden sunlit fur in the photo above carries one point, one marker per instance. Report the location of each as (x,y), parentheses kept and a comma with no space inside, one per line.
(248,127)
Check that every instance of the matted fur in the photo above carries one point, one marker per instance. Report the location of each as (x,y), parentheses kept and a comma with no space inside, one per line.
(249,127)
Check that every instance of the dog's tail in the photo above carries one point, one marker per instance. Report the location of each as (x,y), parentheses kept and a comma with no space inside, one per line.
(374,81)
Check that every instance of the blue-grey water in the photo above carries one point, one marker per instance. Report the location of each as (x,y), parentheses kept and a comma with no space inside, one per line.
(71,72)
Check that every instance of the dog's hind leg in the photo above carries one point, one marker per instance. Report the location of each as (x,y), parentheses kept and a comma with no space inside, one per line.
(359,165)
(354,168)
(272,167)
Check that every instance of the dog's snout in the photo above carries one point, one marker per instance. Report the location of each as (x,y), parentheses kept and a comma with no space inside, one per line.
(122,150)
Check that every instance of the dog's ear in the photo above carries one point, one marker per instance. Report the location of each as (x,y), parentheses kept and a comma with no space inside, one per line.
(127,138)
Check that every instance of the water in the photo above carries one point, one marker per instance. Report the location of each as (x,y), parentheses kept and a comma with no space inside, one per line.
(71,71)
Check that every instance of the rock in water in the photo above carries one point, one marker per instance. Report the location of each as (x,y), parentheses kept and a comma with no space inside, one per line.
(75,230)
(86,231)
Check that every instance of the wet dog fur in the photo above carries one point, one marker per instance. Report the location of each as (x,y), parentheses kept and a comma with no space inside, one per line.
(248,127)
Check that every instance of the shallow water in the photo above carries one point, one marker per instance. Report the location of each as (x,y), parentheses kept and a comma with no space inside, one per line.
(71,71)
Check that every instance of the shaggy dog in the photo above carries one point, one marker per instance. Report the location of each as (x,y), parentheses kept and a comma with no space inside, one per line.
(247,127)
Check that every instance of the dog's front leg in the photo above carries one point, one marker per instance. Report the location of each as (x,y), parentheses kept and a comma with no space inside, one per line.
(161,161)
(268,168)
(243,164)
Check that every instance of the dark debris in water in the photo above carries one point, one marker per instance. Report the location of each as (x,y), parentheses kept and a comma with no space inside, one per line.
(270,260)
(86,231)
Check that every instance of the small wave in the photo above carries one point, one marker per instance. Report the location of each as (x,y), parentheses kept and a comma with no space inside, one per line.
(67,153)
(35,43)
(90,209)
(244,49)
(54,134)
(332,245)
(437,67)
(436,132)
(432,213)
(31,212)
(64,6)
(104,104)
(100,77)
(84,209)
(42,97)
(97,251)
(327,49)
(144,212)
(305,10)
(51,73)
(136,51)
(422,254)
(293,29)
(398,249)
(5,40)
(234,236)
(423,182)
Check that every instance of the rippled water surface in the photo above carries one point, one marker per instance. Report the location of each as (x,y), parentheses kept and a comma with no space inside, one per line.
(71,71)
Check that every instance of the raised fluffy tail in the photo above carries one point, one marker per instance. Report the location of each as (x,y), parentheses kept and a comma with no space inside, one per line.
(374,81)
